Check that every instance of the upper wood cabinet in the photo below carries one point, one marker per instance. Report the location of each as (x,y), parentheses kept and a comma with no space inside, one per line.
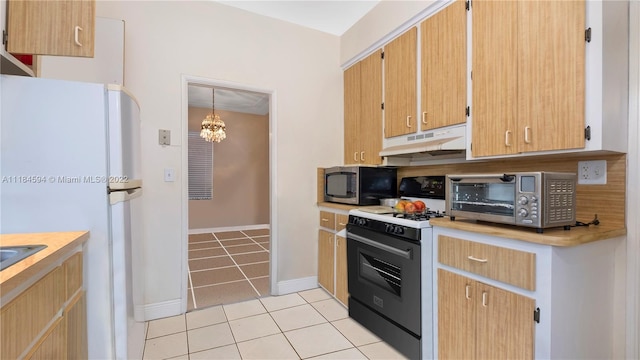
(400,82)
(63,28)
(528,68)
(363,112)
(443,39)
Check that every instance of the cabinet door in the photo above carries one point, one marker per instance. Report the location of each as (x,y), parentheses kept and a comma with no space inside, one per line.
(342,290)
(51,27)
(456,316)
(400,83)
(494,70)
(551,75)
(370,127)
(352,109)
(76,318)
(504,324)
(52,344)
(444,66)
(325,260)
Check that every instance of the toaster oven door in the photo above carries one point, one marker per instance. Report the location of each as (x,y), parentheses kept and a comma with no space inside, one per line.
(487,198)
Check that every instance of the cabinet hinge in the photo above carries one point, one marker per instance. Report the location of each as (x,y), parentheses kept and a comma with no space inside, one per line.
(587,35)
(382,106)
(536,315)
(468,5)
(467,111)
(382,55)
(587,133)
(5,37)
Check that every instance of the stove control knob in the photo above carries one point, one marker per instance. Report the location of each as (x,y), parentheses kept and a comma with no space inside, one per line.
(388,228)
(398,230)
(523,212)
(362,221)
(523,200)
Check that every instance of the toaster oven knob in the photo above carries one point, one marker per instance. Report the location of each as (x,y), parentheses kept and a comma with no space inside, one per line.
(523,212)
(523,200)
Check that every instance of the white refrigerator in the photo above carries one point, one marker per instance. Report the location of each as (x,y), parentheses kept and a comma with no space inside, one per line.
(70,160)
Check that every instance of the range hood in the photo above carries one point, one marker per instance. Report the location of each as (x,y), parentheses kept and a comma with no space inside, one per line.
(439,142)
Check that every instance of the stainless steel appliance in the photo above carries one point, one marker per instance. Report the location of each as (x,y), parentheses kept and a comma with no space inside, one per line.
(389,259)
(534,199)
(359,185)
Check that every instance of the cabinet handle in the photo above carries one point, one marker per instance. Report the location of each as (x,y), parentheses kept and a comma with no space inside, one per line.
(409,121)
(362,156)
(466,291)
(342,224)
(471,257)
(484,298)
(424,117)
(337,241)
(507,136)
(323,219)
(527,129)
(76,33)
(355,156)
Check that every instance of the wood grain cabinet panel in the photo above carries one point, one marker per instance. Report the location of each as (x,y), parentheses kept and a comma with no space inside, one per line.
(326,263)
(327,220)
(76,319)
(479,321)
(342,291)
(341,221)
(400,80)
(528,76)
(510,266)
(443,39)
(65,28)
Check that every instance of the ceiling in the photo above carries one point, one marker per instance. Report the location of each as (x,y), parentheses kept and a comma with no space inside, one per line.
(330,16)
(230,100)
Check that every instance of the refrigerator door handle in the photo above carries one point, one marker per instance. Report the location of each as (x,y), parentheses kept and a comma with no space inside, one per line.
(124,185)
(124,195)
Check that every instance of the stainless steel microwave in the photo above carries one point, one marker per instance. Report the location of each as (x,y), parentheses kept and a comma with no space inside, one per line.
(533,199)
(359,185)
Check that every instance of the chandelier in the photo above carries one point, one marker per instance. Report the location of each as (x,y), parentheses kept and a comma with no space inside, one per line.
(213,128)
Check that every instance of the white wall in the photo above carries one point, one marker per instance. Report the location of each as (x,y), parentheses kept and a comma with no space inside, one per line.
(165,40)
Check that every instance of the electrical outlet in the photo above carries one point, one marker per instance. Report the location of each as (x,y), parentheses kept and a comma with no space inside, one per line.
(592,172)
(164,137)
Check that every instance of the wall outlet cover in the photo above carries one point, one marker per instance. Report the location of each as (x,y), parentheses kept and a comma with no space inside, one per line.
(593,172)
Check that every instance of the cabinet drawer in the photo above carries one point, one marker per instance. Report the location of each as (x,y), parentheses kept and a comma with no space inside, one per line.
(327,220)
(341,221)
(510,266)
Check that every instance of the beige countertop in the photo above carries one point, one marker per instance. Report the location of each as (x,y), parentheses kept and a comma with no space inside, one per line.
(554,236)
(59,244)
(337,206)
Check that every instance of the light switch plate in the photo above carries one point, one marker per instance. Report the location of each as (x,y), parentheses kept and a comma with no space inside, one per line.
(164,137)
(169,175)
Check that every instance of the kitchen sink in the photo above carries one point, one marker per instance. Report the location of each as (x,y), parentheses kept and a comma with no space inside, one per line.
(10,255)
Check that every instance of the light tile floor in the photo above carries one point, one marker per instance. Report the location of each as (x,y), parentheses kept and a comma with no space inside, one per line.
(228,267)
(304,325)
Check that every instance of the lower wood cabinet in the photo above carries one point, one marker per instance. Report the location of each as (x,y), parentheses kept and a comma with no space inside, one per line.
(480,321)
(48,320)
(332,255)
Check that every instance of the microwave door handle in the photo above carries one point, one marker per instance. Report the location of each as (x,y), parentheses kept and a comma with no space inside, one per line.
(403,253)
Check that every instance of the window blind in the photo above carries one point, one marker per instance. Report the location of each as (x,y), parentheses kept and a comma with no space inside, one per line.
(200,167)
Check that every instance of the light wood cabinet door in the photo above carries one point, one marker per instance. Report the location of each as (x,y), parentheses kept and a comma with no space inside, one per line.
(479,321)
(76,318)
(370,127)
(400,81)
(326,260)
(443,39)
(494,77)
(52,344)
(352,113)
(342,290)
(456,316)
(551,75)
(528,76)
(504,324)
(51,27)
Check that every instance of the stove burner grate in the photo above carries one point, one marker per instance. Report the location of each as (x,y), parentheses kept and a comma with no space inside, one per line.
(420,216)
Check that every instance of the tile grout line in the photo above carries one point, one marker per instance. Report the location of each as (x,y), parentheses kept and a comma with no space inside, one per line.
(257,243)
(193,294)
(239,268)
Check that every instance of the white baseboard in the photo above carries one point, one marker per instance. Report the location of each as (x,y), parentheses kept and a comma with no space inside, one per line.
(159,310)
(229,228)
(295,285)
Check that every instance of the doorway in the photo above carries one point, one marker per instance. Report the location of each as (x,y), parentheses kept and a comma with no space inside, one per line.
(227,236)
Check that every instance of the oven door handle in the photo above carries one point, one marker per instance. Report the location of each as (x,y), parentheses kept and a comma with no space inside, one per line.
(404,253)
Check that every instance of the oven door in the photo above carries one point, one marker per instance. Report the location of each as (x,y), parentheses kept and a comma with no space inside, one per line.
(384,275)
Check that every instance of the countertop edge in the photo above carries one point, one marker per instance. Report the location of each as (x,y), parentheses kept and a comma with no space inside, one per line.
(15,275)
(553,237)
(336,206)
